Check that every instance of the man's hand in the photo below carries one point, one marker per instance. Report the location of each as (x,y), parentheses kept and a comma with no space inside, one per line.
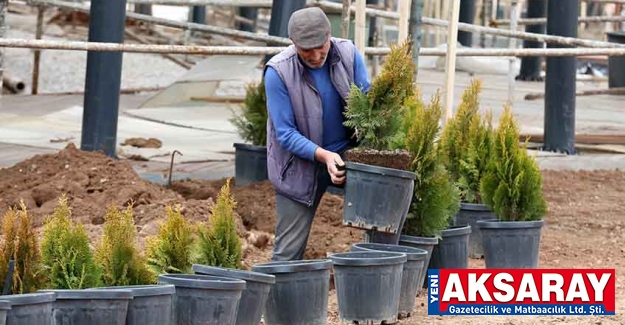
(333,162)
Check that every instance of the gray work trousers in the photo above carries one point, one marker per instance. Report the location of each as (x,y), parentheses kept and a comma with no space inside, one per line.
(294,220)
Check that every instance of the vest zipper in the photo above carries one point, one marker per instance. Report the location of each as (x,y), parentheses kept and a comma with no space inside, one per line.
(286,167)
(316,176)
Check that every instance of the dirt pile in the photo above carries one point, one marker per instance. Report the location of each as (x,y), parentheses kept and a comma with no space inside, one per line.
(256,206)
(93,182)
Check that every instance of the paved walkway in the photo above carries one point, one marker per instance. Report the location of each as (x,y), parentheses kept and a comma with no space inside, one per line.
(202,132)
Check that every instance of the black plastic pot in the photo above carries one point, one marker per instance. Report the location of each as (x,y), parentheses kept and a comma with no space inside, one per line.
(376,198)
(368,286)
(204,299)
(150,304)
(425,243)
(411,272)
(5,306)
(253,298)
(616,64)
(452,251)
(32,308)
(470,214)
(300,294)
(511,244)
(250,164)
(90,306)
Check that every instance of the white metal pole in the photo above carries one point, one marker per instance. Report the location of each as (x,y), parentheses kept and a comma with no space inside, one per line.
(450,63)
(359,32)
(404,14)
(512,45)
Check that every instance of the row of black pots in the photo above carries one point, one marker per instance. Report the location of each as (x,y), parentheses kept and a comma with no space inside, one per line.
(378,198)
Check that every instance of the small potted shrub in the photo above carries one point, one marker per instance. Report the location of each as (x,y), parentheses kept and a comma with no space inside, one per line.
(512,188)
(218,242)
(171,250)
(220,253)
(251,157)
(379,183)
(435,197)
(467,142)
(117,254)
(126,270)
(19,243)
(66,254)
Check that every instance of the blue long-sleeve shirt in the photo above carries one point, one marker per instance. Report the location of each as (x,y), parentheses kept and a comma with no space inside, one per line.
(335,136)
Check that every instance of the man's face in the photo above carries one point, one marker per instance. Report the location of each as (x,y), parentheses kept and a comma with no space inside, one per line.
(315,58)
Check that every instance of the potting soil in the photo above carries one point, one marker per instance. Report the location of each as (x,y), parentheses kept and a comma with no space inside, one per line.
(396,159)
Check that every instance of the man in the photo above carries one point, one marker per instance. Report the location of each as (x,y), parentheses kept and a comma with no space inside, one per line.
(307,86)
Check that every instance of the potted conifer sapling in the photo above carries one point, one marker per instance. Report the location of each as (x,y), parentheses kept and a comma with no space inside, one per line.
(467,142)
(220,253)
(251,124)
(435,197)
(19,243)
(512,188)
(379,182)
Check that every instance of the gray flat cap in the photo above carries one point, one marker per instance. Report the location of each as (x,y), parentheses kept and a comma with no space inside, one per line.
(309,28)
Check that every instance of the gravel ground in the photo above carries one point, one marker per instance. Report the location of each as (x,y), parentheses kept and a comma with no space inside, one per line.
(64,71)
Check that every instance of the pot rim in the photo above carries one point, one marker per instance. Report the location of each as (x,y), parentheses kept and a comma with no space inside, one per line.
(496,224)
(200,281)
(90,294)
(29,298)
(418,240)
(5,305)
(474,207)
(454,231)
(146,290)
(368,258)
(232,273)
(249,147)
(413,253)
(380,170)
(274,267)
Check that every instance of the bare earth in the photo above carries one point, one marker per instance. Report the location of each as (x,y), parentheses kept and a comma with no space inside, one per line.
(583,227)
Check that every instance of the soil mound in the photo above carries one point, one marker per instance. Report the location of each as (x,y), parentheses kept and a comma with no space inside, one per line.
(256,207)
(93,182)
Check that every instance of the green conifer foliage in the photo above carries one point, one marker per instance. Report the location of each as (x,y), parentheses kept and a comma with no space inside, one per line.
(512,185)
(171,250)
(66,253)
(376,117)
(435,194)
(219,244)
(467,142)
(20,244)
(252,122)
(117,253)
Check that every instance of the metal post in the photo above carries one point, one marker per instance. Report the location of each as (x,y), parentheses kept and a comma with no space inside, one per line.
(372,24)
(281,11)
(467,15)
(414,27)
(251,14)
(512,45)
(4,6)
(37,55)
(560,81)
(103,79)
(144,9)
(530,66)
(199,15)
